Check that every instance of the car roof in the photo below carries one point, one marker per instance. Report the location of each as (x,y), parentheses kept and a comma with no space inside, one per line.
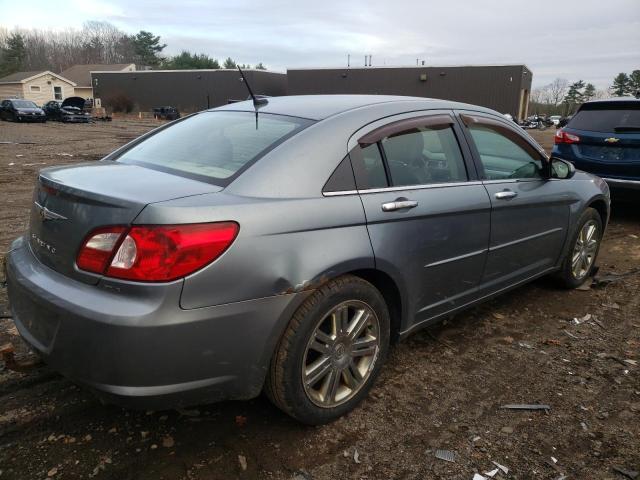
(319,107)
(613,100)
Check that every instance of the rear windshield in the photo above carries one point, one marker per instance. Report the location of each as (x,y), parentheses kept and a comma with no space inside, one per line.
(24,104)
(607,118)
(213,146)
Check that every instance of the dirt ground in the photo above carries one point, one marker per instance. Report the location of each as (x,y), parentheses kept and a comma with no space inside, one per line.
(441,389)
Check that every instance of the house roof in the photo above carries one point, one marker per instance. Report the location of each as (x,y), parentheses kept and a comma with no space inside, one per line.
(23,77)
(81,74)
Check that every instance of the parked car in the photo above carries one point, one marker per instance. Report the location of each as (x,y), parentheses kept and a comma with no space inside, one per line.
(603,138)
(235,250)
(18,110)
(166,113)
(555,119)
(71,110)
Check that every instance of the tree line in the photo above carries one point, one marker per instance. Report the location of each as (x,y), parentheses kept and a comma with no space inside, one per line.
(561,97)
(95,42)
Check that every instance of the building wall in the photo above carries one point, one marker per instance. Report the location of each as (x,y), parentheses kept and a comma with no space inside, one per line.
(83,92)
(11,90)
(46,83)
(496,87)
(188,90)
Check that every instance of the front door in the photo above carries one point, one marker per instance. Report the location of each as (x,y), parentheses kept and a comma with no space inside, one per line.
(529,212)
(427,214)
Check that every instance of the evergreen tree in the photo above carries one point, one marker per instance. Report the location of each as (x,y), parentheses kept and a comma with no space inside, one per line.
(147,47)
(229,63)
(574,96)
(260,66)
(621,85)
(589,92)
(634,82)
(187,60)
(12,55)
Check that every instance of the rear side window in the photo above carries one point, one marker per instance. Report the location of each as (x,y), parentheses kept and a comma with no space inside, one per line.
(213,146)
(607,118)
(424,156)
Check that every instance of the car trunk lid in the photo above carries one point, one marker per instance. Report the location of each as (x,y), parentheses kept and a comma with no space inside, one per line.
(70,202)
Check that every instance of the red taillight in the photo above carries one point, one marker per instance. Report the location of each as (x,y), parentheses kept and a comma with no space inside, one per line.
(564,137)
(97,249)
(159,253)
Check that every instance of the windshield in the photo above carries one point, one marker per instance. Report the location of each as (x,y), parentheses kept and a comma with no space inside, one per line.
(24,104)
(607,118)
(213,146)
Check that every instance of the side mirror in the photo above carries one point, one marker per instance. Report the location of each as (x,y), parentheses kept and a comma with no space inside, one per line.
(561,168)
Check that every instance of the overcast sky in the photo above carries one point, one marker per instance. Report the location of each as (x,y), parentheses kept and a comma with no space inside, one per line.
(591,40)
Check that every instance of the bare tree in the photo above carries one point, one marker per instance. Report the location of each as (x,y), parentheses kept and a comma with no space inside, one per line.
(557,91)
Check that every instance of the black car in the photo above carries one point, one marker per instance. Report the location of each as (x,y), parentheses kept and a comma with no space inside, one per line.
(166,113)
(19,110)
(603,138)
(70,110)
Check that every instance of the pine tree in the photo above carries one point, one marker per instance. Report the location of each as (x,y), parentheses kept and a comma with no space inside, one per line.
(147,47)
(589,92)
(574,96)
(621,85)
(12,55)
(634,83)
(229,63)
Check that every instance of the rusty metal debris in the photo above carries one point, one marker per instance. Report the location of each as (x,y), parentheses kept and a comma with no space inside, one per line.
(526,406)
(446,455)
(7,353)
(612,277)
(627,473)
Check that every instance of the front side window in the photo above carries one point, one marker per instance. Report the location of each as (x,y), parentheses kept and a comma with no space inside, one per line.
(213,146)
(424,156)
(505,157)
(57,93)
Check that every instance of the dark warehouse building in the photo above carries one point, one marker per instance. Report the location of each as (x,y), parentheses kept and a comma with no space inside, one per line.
(188,90)
(504,88)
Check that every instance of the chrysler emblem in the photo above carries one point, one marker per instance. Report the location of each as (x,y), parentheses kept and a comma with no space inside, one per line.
(612,140)
(47,214)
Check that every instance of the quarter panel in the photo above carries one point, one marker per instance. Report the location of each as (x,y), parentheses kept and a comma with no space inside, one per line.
(284,245)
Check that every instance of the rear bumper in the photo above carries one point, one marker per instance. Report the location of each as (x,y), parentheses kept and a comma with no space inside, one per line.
(135,346)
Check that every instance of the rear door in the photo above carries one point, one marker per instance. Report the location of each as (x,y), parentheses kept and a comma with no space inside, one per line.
(427,214)
(529,213)
(609,133)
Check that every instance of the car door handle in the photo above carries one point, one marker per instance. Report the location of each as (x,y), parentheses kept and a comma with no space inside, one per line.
(505,194)
(399,204)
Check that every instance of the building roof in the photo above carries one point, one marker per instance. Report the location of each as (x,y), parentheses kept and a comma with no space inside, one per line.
(81,74)
(319,107)
(23,77)
(19,77)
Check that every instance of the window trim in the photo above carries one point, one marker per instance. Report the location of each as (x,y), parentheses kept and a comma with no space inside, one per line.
(399,126)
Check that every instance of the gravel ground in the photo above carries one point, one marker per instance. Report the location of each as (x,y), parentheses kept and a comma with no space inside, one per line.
(441,389)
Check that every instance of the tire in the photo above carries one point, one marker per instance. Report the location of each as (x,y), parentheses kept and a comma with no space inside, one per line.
(313,326)
(568,275)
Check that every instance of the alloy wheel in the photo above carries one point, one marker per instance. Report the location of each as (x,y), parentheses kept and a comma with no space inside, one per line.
(585,249)
(341,354)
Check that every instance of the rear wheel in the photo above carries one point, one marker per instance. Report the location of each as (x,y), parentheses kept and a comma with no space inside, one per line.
(331,352)
(581,257)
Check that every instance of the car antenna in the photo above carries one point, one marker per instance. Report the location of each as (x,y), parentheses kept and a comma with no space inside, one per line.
(257,102)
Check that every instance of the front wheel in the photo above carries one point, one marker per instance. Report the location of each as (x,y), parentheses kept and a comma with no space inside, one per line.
(581,257)
(331,352)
